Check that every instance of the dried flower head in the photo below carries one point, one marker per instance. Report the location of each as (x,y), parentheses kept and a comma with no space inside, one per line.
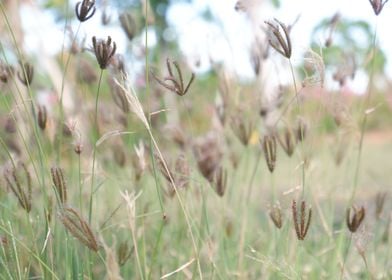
(177,83)
(275,214)
(288,141)
(302,225)
(59,183)
(124,252)
(243,130)
(104,51)
(6,72)
(301,130)
(119,96)
(85,10)
(42,116)
(208,154)
(19,181)
(128,24)
(220,181)
(26,74)
(269,148)
(378,5)
(380,202)
(78,228)
(354,221)
(279,37)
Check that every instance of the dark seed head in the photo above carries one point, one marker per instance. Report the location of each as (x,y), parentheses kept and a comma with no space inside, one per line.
(85,10)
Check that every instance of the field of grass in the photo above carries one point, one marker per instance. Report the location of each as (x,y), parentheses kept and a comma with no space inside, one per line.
(187,177)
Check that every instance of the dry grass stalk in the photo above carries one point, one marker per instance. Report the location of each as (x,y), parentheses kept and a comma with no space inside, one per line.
(112,264)
(302,225)
(20,184)
(78,228)
(301,130)
(26,74)
(279,37)
(355,220)
(269,148)
(104,51)
(59,183)
(85,10)
(139,162)
(177,83)
(275,214)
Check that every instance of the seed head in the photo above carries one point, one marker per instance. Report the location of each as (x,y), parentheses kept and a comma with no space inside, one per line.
(78,228)
(128,24)
(42,117)
(26,74)
(19,181)
(59,183)
(6,72)
(220,181)
(380,201)
(279,37)
(269,148)
(378,5)
(301,227)
(124,252)
(104,51)
(241,129)
(177,83)
(288,142)
(275,214)
(355,220)
(85,10)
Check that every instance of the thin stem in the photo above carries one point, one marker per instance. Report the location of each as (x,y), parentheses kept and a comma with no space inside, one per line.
(96,135)
(301,131)
(346,255)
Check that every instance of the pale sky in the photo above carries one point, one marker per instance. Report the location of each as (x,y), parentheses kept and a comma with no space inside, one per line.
(202,40)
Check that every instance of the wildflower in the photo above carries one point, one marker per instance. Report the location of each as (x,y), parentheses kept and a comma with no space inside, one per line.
(85,10)
(104,51)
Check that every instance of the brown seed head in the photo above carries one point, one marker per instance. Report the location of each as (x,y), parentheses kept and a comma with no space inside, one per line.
(279,37)
(59,183)
(85,10)
(301,130)
(302,225)
(128,24)
(380,201)
(6,72)
(42,116)
(288,142)
(243,130)
(275,214)
(173,83)
(104,51)
(78,228)
(354,221)
(378,5)
(220,181)
(19,181)
(26,74)
(269,148)
(124,252)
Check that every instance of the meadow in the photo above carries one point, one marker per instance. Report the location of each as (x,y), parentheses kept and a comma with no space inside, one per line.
(110,173)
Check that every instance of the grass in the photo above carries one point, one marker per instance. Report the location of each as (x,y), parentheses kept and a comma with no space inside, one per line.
(193,200)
